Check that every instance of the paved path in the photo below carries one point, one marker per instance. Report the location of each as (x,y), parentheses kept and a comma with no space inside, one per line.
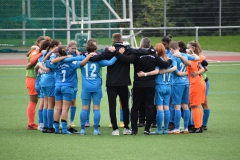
(19,59)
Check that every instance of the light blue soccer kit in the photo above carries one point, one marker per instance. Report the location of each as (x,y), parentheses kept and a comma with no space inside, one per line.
(180,91)
(73,108)
(48,87)
(92,88)
(64,89)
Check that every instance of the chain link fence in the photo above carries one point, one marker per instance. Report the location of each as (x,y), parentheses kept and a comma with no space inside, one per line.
(51,14)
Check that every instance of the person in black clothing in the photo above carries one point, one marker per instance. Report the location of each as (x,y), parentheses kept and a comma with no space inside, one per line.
(144,59)
(118,80)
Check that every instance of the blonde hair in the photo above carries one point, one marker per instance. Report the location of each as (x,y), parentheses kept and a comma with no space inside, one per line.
(174,45)
(196,45)
(71,43)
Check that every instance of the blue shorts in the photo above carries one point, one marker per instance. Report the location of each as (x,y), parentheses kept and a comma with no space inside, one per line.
(74,94)
(180,94)
(96,97)
(39,90)
(162,95)
(48,91)
(64,93)
(207,88)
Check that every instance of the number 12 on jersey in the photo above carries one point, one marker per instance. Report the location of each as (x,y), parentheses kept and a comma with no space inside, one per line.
(93,67)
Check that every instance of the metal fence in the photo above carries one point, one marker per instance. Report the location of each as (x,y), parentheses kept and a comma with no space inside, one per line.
(22,21)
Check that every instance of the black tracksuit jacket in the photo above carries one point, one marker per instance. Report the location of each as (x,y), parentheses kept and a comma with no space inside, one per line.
(118,74)
(144,60)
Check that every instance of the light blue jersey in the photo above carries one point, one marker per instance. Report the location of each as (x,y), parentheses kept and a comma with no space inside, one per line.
(91,77)
(48,79)
(165,78)
(64,72)
(76,79)
(181,67)
(38,79)
(168,53)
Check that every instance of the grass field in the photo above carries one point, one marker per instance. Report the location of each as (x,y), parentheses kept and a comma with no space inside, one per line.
(214,43)
(221,141)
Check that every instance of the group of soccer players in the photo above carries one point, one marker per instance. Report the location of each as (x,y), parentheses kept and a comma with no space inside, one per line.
(170,78)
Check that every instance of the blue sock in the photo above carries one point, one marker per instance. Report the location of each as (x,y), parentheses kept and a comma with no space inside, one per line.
(121,115)
(177,119)
(172,113)
(83,118)
(40,116)
(72,113)
(190,122)
(88,113)
(206,113)
(97,117)
(186,118)
(56,126)
(45,118)
(64,128)
(166,119)
(159,119)
(182,114)
(50,117)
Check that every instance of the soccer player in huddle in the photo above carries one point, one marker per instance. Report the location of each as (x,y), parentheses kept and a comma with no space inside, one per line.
(180,88)
(118,80)
(162,91)
(197,85)
(48,87)
(64,90)
(72,50)
(92,88)
(30,84)
(145,60)
(166,41)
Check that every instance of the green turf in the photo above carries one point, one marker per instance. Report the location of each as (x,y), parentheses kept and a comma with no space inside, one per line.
(214,43)
(220,142)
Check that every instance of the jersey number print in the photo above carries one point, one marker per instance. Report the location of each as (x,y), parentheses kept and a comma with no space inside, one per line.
(93,67)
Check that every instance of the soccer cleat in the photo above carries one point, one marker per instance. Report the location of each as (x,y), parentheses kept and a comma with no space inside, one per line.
(66,132)
(146,133)
(190,127)
(174,131)
(50,130)
(204,128)
(196,130)
(110,126)
(82,132)
(140,125)
(44,130)
(156,132)
(87,124)
(171,126)
(165,132)
(96,132)
(72,130)
(72,125)
(40,128)
(185,131)
(127,131)
(115,132)
(32,127)
(199,130)
(121,125)
(134,133)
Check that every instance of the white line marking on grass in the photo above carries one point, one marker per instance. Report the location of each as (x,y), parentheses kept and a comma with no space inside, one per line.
(213,60)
